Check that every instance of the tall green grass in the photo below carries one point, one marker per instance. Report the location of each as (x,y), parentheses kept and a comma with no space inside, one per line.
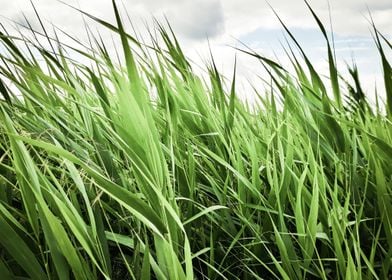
(148,171)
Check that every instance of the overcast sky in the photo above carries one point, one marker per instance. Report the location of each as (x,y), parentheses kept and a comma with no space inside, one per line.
(225,22)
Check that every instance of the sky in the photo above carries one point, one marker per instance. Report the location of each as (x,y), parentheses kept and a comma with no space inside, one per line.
(226,24)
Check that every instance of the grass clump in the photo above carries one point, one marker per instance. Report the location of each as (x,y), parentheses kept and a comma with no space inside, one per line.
(102,179)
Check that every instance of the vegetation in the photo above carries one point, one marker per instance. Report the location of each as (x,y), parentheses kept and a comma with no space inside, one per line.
(148,171)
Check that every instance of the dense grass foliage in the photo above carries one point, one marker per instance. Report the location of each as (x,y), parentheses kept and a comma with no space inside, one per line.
(148,171)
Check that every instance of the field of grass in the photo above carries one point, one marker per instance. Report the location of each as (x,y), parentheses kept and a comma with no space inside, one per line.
(149,171)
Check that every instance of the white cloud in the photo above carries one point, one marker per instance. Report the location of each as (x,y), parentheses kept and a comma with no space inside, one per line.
(198,19)
(349,16)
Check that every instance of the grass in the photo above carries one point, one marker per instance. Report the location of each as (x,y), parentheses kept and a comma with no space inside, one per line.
(148,171)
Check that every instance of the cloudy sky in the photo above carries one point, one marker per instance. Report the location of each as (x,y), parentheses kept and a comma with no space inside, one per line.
(227,22)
